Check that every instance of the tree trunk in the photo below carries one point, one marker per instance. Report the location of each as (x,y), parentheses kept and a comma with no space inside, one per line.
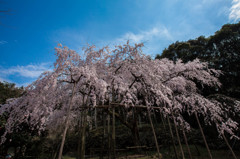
(84,125)
(154,134)
(173,141)
(79,136)
(95,117)
(135,135)
(66,123)
(186,142)
(134,130)
(109,137)
(203,136)
(83,134)
(79,142)
(225,139)
(103,136)
(139,121)
(113,134)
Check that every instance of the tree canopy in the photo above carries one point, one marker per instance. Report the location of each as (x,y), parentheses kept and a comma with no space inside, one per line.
(220,50)
(121,76)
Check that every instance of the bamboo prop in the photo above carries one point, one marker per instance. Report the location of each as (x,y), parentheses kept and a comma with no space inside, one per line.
(163,121)
(165,129)
(54,155)
(203,136)
(173,141)
(67,123)
(154,134)
(234,142)
(179,142)
(186,142)
(226,141)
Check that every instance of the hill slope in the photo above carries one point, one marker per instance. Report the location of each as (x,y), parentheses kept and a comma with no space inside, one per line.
(221,51)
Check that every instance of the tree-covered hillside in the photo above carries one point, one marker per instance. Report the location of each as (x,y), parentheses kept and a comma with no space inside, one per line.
(221,51)
(9,90)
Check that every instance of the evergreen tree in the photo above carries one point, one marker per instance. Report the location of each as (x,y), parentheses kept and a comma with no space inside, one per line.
(221,51)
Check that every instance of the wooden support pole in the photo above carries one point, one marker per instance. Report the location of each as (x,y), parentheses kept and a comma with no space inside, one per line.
(173,141)
(66,123)
(179,141)
(165,130)
(154,134)
(186,142)
(203,136)
(226,141)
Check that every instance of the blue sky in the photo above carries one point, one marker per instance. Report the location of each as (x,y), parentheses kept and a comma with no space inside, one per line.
(32,28)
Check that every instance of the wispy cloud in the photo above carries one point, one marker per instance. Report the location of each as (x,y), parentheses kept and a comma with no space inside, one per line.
(148,35)
(30,72)
(154,39)
(235,10)
(2,42)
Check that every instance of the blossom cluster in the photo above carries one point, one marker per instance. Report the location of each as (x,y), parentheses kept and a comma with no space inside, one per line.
(123,75)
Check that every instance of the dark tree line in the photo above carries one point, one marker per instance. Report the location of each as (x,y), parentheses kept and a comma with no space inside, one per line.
(221,51)
(9,90)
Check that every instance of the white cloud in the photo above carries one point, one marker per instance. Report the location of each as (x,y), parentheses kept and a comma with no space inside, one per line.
(149,35)
(235,10)
(29,71)
(154,39)
(2,42)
